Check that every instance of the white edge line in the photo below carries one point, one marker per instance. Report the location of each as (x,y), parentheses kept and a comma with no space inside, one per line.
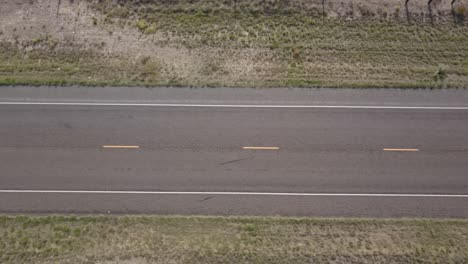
(240,105)
(240,193)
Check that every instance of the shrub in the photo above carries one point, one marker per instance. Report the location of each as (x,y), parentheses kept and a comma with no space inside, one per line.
(150,71)
(212,67)
(142,25)
(440,75)
(296,53)
(151,29)
(461,12)
(36,41)
(119,12)
(145,60)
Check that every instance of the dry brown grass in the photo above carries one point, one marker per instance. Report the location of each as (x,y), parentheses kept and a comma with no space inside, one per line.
(132,239)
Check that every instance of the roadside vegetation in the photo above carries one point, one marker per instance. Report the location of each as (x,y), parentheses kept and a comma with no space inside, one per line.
(250,43)
(159,239)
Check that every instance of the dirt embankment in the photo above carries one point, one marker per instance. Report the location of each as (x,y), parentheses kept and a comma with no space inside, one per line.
(75,22)
(234,43)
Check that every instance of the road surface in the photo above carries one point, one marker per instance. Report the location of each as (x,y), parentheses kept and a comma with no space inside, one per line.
(231,152)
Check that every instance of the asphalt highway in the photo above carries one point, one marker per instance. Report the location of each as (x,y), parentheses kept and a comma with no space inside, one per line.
(230,158)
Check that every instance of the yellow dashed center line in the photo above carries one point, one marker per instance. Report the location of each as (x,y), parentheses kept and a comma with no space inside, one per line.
(119,147)
(261,148)
(400,150)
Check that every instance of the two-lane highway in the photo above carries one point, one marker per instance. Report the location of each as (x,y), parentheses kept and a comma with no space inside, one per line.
(255,159)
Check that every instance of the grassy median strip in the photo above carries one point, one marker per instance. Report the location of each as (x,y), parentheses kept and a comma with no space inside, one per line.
(159,239)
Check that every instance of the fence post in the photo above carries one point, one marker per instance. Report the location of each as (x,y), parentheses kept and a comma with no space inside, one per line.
(58,7)
(407,11)
(323,9)
(453,12)
(430,11)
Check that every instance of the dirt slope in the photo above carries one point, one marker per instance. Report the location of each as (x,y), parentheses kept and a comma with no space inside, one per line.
(250,43)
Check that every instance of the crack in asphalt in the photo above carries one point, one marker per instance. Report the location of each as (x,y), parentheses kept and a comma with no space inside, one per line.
(232,161)
(207,198)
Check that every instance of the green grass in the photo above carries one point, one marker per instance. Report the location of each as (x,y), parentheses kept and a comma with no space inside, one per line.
(281,43)
(68,67)
(159,239)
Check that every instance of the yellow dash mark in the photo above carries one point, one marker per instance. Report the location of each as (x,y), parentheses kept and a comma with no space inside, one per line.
(400,150)
(261,148)
(120,147)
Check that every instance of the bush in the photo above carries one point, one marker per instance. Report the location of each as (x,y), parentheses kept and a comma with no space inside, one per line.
(151,29)
(150,71)
(440,75)
(142,25)
(460,13)
(119,12)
